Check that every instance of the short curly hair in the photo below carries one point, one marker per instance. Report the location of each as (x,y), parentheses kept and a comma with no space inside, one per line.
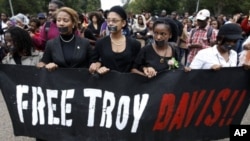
(97,15)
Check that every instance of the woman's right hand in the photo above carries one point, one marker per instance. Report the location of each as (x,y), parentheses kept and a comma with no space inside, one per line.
(40,65)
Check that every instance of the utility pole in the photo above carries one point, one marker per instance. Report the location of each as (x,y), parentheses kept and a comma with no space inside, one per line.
(197,5)
(11,8)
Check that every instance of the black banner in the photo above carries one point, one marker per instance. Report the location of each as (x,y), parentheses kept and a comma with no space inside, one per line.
(71,104)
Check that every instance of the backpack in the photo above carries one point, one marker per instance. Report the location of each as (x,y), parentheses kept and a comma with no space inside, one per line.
(209,34)
(46,29)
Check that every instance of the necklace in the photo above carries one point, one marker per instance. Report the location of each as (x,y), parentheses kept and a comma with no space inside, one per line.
(67,40)
(116,43)
(162,58)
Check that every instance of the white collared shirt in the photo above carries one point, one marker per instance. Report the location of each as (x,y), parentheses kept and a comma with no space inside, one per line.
(208,57)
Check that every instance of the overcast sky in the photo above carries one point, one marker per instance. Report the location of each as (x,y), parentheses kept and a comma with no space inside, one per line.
(107,4)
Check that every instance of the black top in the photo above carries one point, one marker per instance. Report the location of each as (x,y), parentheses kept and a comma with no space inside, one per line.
(95,31)
(122,61)
(88,34)
(68,47)
(68,55)
(149,58)
(17,59)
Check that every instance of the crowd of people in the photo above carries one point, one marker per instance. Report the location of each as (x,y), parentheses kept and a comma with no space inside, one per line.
(116,40)
(142,43)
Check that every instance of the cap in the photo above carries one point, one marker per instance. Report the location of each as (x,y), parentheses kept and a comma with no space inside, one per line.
(41,16)
(22,18)
(203,14)
(230,31)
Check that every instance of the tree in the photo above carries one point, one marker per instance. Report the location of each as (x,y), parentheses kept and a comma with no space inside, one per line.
(216,7)
(93,5)
(227,7)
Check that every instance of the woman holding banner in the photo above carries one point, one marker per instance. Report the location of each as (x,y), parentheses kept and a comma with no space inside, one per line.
(116,51)
(68,50)
(162,54)
(222,54)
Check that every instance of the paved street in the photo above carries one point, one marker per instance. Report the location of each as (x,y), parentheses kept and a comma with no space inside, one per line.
(6,130)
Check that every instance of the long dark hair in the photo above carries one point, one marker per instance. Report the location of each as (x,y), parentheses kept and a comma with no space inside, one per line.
(21,40)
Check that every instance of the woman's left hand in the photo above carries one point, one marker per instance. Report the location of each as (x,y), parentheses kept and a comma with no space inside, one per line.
(149,72)
(51,66)
(246,66)
(94,67)
(216,67)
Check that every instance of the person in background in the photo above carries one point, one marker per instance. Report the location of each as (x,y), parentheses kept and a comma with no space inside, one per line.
(116,51)
(148,17)
(130,21)
(186,15)
(160,55)
(104,27)
(42,19)
(3,26)
(246,44)
(34,30)
(68,50)
(163,13)
(20,48)
(49,29)
(183,40)
(150,33)
(85,32)
(222,54)
(95,23)
(215,24)
(101,14)
(245,25)
(174,15)
(244,55)
(22,21)
(140,29)
(202,37)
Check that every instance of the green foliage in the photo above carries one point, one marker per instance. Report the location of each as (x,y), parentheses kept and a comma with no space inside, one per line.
(227,7)
(93,5)
(152,5)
